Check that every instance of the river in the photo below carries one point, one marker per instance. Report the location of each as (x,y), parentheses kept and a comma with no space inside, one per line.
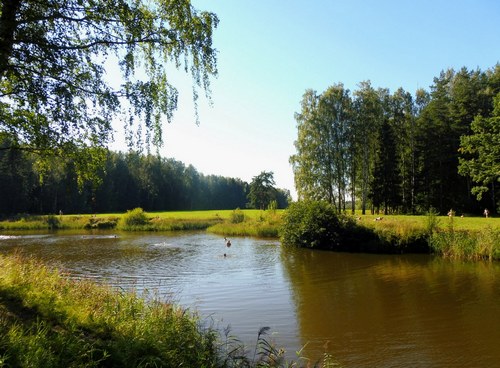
(365,310)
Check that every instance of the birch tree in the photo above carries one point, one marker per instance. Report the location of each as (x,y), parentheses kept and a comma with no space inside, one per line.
(56,96)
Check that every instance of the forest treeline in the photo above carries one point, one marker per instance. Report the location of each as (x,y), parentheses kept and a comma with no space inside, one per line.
(403,153)
(128,180)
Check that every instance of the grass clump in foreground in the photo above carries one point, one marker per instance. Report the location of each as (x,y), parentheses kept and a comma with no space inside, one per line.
(49,320)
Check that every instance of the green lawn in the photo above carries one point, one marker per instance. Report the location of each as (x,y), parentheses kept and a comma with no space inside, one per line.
(459,223)
(223,214)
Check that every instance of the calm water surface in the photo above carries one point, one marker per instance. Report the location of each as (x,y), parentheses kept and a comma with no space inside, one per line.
(366,310)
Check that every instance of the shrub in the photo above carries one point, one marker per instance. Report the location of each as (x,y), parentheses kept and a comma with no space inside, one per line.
(101,223)
(237,216)
(134,218)
(53,222)
(311,224)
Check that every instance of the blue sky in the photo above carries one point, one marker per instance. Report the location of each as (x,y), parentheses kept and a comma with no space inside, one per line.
(271,51)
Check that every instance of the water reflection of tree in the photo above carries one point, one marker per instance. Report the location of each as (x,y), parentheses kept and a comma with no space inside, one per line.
(390,309)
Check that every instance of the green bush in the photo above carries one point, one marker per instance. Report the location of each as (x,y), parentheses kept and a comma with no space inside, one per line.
(53,222)
(311,224)
(134,218)
(101,223)
(237,216)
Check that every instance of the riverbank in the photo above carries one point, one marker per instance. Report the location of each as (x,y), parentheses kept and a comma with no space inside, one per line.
(48,319)
(466,238)
(138,220)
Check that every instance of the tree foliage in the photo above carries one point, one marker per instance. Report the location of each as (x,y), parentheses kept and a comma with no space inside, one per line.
(128,181)
(323,157)
(369,117)
(385,185)
(60,61)
(311,224)
(262,191)
(401,153)
(481,150)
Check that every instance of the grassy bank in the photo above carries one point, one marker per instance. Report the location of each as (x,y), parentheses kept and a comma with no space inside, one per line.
(468,237)
(133,220)
(49,320)
(262,224)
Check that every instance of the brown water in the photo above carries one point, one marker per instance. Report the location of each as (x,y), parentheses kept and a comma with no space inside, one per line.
(365,310)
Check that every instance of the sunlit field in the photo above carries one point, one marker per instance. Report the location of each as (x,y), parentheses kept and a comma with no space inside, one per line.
(459,223)
(75,221)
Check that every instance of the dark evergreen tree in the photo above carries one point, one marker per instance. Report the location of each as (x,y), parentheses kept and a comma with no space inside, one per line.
(386,184)
(262,190)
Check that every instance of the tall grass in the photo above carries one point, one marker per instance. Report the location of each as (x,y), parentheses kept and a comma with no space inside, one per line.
(451,237)
(28,222)
(463,244)
(51,321)
(133,219)
(58,222)
(138,220)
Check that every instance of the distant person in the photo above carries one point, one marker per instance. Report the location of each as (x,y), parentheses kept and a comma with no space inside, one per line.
(486,213)
(228,244)
(450,213)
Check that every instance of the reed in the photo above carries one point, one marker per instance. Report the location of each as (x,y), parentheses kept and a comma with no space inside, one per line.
(466,245)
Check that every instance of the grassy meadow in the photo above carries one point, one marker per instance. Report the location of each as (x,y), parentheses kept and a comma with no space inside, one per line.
(419,221)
